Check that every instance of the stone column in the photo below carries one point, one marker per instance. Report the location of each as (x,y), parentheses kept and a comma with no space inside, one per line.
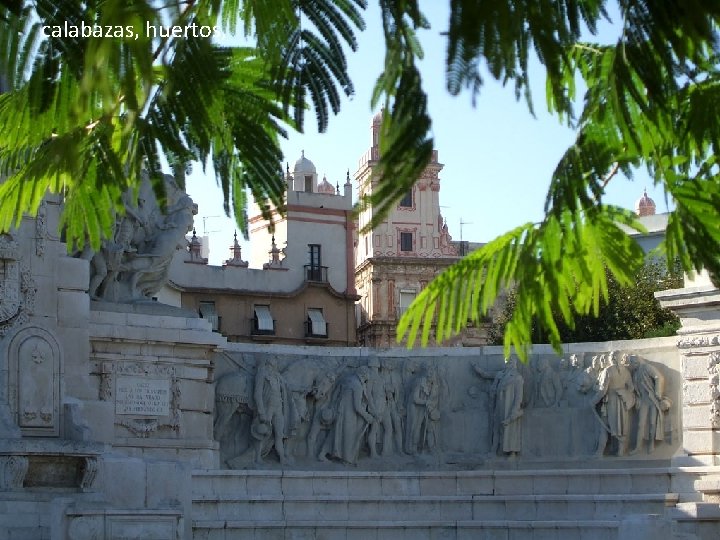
(699,346)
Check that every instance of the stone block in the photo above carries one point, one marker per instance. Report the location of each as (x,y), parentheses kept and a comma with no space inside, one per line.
(269,533)
(264,484)
(475,484)
(263,510)
(550,484)
(546,534)
(696,392)
(196,425)
(329,485)
(26,533)
(333,510)
(489,509)
(482,534)
(441,484)
(696,416)
(72,274)
(169,485)
(73,309)
(584,483)
(657,482)
(125,481)
(615,483)
(197,396)
(554,510)
(456,510)
(525,533)
(701,441)
(365,510)
(365,533)
(511,485)
(446,532)
(400,485)
(644,528)
(359,485)
(520,510)
(694,367)
(45,297)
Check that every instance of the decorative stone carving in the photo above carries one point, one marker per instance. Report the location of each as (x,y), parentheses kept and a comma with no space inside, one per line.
(12,471)
(614,399)
(272,404)
(34,360)
(651,403)
(147,396)
(394,411)
(41,229)
(89,472)
(352,418)
(133,265)
(17,288)
(714,380)
(698,341)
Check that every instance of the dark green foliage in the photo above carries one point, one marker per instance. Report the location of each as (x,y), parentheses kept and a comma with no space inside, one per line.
(631,312)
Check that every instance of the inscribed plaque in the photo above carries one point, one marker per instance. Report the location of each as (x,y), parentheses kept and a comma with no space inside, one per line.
(141,396)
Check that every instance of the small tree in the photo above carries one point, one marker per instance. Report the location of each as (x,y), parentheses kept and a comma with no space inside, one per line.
(631,312)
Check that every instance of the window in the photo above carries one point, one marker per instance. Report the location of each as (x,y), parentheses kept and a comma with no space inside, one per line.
(406,298)
(263,322)
(406,241)
(308,184)
(316,325)
(407,200)
(315,254)
(207,311)
(315,271)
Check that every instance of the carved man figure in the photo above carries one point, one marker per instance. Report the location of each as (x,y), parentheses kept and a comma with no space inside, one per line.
(548,388)
(351,417)
(577,383)
(270,401)
(377,403)
(507,390)
(422,413)
(651,404)
(615,397)
(506,397)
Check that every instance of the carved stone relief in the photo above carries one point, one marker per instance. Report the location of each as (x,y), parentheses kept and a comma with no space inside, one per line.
(17,288)
(34,385)
(133,264)
(147,396)
(714,380)
(385,411)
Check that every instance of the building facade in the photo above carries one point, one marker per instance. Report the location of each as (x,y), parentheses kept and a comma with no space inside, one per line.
(298,285)
(395,260)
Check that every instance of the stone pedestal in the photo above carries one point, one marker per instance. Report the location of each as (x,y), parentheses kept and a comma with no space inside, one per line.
(154,379)
(699,347)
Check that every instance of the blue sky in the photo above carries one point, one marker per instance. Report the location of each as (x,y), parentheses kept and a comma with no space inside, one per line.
(498,158)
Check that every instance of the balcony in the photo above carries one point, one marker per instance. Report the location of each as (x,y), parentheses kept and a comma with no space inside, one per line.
(316,273)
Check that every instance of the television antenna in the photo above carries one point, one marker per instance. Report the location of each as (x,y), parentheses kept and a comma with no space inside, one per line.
(463,247)
(205,230)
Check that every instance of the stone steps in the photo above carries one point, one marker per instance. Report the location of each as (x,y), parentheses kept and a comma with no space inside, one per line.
(446,483)
(408,530)
(574,504)
(419,508)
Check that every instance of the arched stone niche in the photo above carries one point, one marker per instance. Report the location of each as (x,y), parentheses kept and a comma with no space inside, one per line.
(34,360)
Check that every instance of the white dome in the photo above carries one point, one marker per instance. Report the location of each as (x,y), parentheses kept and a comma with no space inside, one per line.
(304,166)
